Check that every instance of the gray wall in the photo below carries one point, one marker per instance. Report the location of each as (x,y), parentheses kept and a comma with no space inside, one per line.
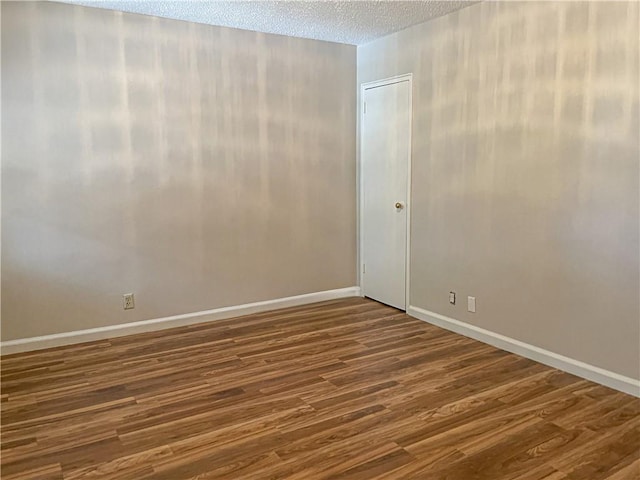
(525,171)
(196,166)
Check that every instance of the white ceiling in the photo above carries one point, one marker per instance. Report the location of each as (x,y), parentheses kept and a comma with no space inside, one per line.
(355,22)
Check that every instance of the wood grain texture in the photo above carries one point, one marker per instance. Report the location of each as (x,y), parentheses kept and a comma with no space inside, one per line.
(341,389)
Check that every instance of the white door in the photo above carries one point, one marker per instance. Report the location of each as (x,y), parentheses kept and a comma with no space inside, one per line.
(385,156)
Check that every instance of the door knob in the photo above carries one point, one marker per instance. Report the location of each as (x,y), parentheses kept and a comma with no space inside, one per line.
(399,205)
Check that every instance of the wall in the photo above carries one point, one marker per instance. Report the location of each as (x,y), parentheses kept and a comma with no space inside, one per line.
(196,166)
(525,171)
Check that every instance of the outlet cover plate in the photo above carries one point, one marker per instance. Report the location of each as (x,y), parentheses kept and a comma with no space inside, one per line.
(471,304)
(128,301)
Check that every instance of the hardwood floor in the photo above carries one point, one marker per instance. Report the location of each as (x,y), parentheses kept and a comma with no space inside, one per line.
(343,389)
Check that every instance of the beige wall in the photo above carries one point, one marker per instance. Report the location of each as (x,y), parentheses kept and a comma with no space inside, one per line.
(525,171)
(195,166)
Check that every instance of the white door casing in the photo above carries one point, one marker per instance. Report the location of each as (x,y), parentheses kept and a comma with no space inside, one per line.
(385,154)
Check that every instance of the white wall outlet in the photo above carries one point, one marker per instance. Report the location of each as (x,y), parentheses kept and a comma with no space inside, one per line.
(452,298)
(128,301)
(471,304)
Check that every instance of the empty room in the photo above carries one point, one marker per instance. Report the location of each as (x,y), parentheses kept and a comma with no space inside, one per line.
(320,240)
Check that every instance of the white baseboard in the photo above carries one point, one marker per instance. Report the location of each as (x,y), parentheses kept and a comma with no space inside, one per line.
(101,333)
(570,365)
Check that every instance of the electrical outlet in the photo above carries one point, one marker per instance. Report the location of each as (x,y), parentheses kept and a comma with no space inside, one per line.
(452,298)
(128,301)
(471,304)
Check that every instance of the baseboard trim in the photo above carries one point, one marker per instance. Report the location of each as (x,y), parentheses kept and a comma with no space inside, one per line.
(590,372)
(110,331)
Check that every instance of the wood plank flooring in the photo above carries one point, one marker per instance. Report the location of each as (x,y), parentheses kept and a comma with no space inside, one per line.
(348,389)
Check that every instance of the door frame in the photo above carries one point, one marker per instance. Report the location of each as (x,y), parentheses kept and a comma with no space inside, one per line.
(365,86)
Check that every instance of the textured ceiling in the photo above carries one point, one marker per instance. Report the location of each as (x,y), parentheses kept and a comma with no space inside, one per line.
(354,22)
